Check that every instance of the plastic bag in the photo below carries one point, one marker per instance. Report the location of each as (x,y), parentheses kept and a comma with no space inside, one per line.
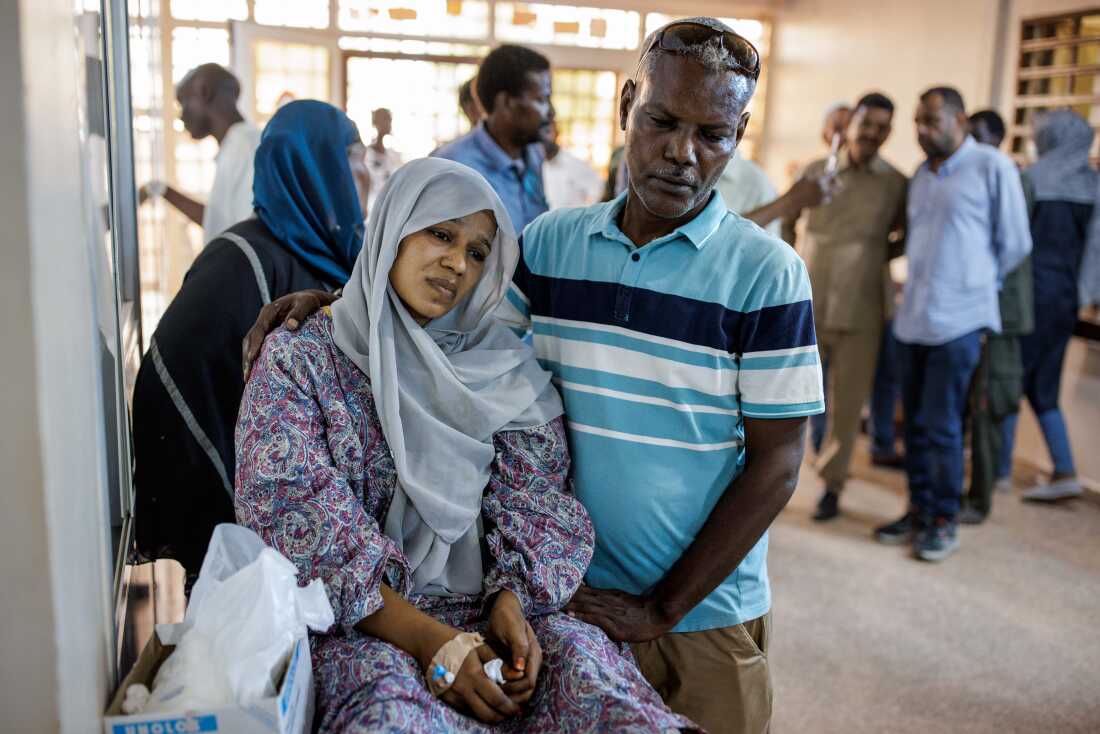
(245,615)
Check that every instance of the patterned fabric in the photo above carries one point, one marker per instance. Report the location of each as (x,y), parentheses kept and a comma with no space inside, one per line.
(661,353)
(315,479)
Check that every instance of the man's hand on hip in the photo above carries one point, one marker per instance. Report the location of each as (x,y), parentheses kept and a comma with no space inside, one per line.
(624,617)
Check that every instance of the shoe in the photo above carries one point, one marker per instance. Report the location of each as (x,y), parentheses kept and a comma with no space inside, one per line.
(1060,490)
(901,531)
(888,461)
(937,541)
(971,516)
(827,506)
(1003,485)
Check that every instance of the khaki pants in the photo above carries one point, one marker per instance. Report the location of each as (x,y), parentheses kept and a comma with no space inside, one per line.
(717,678)
(851,356)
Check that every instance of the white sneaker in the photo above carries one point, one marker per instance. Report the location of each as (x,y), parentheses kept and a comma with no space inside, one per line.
(1003,485)
(1060,490)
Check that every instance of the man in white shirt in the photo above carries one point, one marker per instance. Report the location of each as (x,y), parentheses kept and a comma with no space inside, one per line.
(744,187)
(207,97)
(566,179)
(381,161)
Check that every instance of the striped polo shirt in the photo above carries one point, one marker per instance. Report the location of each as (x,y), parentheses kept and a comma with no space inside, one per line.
(660,352)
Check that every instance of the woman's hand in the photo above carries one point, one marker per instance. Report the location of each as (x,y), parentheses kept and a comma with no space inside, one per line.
(473,692)
(290,310)
(407,628)
(511,631)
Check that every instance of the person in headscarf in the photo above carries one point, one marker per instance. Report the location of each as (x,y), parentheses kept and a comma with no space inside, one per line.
(406,448)
(308,192)
(1062,192)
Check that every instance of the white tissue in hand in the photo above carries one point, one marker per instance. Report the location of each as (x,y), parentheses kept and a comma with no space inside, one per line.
(137,696)
(494,671)
(245,616)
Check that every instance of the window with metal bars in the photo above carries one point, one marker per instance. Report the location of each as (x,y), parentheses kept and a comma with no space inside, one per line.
(1058,66)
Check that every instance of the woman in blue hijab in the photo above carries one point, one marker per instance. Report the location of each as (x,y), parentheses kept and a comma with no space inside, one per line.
(310,186)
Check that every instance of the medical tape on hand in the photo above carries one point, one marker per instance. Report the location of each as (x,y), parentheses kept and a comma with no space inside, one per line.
(447,661)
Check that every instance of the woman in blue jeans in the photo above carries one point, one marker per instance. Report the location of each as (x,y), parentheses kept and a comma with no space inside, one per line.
(1062,190)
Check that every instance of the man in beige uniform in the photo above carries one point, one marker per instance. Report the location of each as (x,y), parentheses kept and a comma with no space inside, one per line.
(850,245)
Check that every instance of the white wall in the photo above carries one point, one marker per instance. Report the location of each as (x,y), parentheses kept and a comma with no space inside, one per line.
(54,611)
(26,620)
(829,50)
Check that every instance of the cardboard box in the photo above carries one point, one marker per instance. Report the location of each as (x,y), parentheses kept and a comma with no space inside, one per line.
(290,711)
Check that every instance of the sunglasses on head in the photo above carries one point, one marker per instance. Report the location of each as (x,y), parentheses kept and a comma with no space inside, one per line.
(677,37)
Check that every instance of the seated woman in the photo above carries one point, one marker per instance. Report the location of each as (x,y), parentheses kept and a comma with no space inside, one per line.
(408,450)
(310,182)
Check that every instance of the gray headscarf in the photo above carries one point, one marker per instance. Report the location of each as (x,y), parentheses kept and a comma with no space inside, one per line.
(1062,173)
(442,390)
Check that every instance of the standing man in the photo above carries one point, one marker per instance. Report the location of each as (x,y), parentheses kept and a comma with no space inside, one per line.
(987,127)
(569,181)
(513,86)
(207,97)
(682,339)
(998,381)
(967,229)
(381,161)
(851,240)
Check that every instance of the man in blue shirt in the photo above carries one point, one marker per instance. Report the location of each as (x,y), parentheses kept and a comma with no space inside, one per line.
(967,229)
(681,337)
(513,86)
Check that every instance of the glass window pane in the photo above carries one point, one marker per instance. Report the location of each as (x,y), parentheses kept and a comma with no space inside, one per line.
(453,18)
(145,86)
(586,105)
(209,10)
(567,25)
(194,46)
(194,161)
(421,121)
(286,71)
(411,47)
(296,13)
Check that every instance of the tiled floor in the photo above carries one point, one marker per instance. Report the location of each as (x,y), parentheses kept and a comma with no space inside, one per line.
(1001,638)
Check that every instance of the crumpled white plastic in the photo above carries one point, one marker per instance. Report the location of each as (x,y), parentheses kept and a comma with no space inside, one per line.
(245,615)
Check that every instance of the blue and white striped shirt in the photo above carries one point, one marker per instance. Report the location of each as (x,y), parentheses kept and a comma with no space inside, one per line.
(660,352)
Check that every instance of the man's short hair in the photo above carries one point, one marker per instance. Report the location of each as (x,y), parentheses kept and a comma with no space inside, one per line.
(465,93)
(950,96)
(505,70)
(876,100)
(994,123)
(220,80)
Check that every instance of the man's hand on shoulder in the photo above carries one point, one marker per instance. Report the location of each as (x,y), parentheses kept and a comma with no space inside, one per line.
(290,311)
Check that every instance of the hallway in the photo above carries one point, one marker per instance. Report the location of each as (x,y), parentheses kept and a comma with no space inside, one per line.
(1002,637)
